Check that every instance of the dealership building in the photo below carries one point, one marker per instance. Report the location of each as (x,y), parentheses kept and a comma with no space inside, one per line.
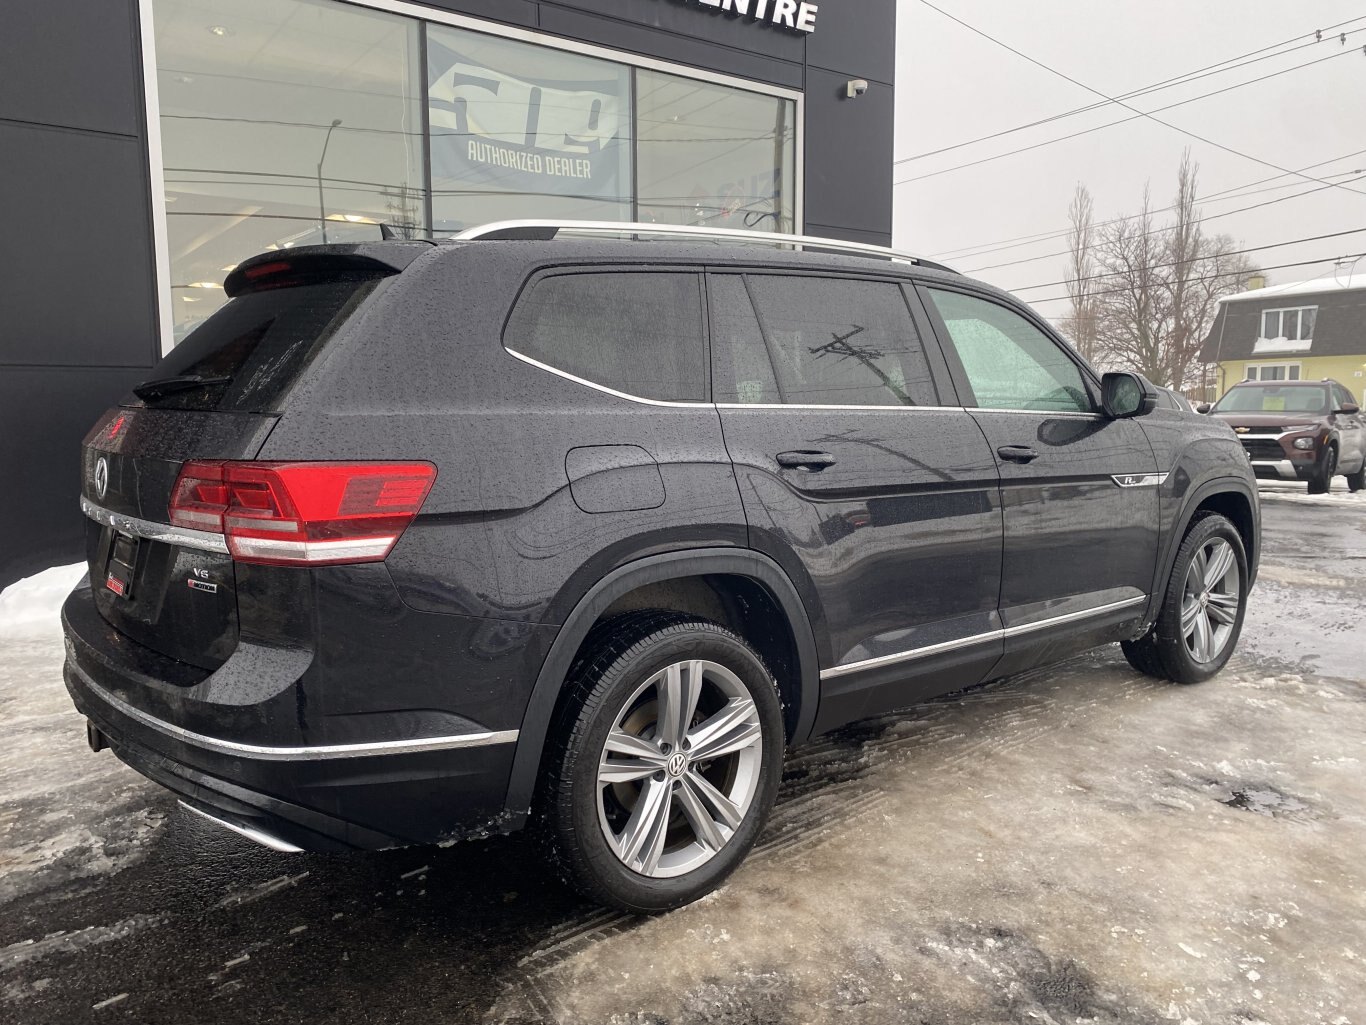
(151,145)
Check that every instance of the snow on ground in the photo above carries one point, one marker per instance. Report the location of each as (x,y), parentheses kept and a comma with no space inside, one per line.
(31,607)
(1296,491)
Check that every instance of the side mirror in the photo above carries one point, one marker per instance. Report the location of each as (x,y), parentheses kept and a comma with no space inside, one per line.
(1204,407)
(1125,395)
(1350,409)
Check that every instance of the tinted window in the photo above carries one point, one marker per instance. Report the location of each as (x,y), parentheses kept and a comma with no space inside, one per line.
(1272,398)
(1009,362)
(636,333)
(254,348)
(821,342)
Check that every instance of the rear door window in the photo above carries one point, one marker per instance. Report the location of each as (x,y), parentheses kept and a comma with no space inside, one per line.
(817,341)
(252,350)
(637,333)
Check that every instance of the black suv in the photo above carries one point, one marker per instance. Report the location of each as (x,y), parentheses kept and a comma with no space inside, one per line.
(413,542)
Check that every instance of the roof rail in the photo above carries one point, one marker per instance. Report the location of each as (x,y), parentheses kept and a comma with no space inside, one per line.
(544,231)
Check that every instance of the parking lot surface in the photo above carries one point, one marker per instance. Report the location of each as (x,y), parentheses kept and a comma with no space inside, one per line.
(1076,844)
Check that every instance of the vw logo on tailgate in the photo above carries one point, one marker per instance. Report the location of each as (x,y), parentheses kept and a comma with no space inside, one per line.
(101,476)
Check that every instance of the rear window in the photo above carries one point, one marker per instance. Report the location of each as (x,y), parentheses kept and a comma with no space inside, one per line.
(1272,398)
(250,352)
(638,333)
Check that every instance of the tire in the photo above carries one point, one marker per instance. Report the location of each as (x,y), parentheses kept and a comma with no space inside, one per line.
(1321,483)
(1191,648)
(1357,481)
(648,826)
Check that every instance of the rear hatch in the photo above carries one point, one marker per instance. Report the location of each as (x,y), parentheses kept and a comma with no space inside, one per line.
(216,396)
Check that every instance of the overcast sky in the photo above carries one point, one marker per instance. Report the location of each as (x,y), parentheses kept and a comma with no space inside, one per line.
(953,86)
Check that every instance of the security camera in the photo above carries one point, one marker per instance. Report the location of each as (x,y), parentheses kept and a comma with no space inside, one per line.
(856,87)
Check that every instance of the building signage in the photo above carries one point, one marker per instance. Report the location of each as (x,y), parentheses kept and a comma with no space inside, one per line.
(798,15)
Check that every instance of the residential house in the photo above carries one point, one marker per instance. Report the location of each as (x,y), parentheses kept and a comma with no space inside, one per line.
(1304,331)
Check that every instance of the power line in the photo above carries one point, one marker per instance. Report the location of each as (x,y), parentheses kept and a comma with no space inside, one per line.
(1360,173)
(1231,64)
(1177,263)
(1137,115)
(1211,277)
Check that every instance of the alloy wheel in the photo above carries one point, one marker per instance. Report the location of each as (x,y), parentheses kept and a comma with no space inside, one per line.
(679,769)
(1211,600)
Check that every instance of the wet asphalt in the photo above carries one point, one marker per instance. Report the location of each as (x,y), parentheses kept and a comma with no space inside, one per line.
(116,905)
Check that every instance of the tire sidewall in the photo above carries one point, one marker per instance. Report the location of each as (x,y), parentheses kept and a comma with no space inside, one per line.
(1177,659)
(616,686)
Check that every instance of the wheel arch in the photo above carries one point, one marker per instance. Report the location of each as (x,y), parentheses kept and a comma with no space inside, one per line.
(639,576)
(1232,497)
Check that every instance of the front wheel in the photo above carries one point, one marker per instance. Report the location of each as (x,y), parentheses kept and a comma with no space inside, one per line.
(669,760)
(1202,609)
(1357,481)
(1322,480)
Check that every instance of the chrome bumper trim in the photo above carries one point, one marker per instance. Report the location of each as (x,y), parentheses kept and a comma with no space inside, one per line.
(964,642)
(295,754)
(202,539)
(1284,468)
(264,839)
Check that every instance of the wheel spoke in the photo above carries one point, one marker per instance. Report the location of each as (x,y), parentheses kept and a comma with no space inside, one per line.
(642,841)
(731,729)
(1204,640)
(722,809)
(678,694)
(1222,608)
(1189,610)
(627,758)
(1220,562)
(704,827)
(1195,576)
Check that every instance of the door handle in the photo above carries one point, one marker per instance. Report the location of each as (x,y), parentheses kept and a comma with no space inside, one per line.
(813,461)
(1017,453)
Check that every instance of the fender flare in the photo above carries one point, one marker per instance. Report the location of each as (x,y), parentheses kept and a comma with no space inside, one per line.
(531,740)
(1217,486)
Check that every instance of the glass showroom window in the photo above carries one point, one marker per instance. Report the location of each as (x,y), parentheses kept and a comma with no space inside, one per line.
(520,130)
(282,124)
(714,156)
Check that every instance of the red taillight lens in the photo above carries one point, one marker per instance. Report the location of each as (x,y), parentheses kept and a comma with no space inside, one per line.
(302,514)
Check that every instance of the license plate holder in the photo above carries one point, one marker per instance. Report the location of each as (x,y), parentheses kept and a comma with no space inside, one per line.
(122,565)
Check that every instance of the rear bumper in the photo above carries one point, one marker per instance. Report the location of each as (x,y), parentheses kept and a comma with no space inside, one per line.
(327,797)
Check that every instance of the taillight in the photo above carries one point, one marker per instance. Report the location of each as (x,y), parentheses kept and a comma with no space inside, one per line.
(302,514)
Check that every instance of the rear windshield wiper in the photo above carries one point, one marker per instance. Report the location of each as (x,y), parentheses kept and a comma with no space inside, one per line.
(153,390)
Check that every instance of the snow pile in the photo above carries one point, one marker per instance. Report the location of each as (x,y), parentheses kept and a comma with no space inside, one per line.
(30,608)
(1286,491)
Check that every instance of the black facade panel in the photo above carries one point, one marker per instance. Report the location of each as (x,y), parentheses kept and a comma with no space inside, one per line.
(47,413)
(72,63)
(693,51)
(76,249)
(848,154)
(872,238)
(843,44)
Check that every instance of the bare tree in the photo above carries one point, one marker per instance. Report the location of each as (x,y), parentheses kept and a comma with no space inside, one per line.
(1080,324)
(1156,291)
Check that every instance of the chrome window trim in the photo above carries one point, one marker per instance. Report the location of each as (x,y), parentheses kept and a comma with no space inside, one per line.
(1039,412)
(255,835)
(1140,480)
(290,754)
(879,409)
(602,387)
(155,154)
(204,540)
(964,642)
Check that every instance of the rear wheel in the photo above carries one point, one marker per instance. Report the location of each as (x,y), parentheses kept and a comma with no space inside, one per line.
(669,760)
(1357,481)
(1202,609)
(1322,480)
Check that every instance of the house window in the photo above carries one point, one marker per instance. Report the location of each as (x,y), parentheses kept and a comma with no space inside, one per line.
(1273,372)
(1287,330)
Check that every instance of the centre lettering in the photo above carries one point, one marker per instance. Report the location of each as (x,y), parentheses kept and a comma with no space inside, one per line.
(798,15)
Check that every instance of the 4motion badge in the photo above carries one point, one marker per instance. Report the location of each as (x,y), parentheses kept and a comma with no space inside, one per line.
(199,581)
